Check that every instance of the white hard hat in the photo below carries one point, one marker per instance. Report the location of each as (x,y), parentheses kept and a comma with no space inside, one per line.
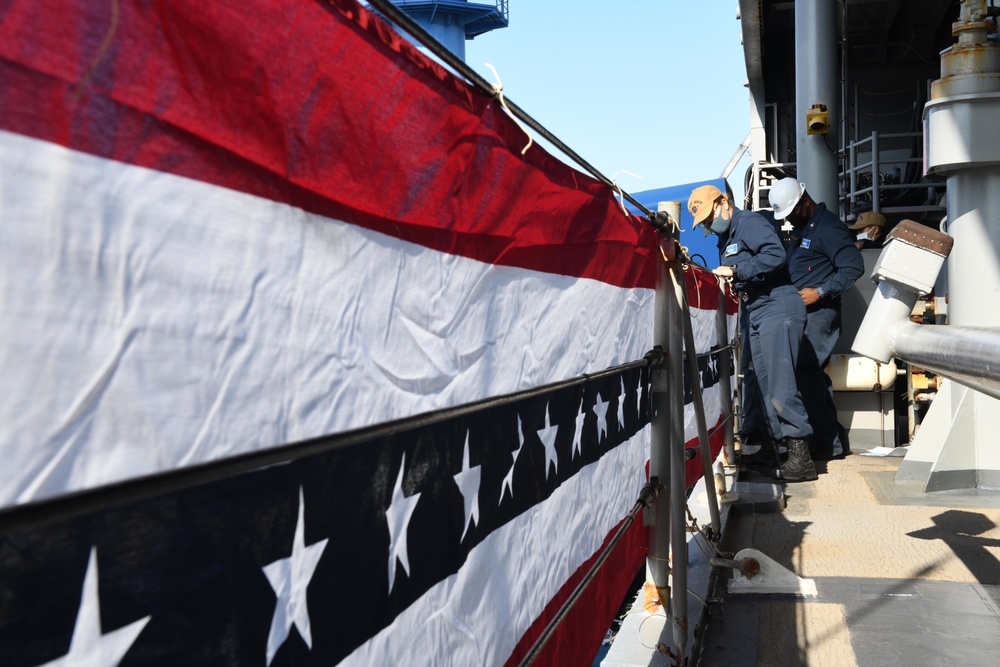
(784,195)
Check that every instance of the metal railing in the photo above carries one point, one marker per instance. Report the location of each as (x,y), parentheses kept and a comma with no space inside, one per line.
(878,179)
(762,183)
(870,180)
(666,493)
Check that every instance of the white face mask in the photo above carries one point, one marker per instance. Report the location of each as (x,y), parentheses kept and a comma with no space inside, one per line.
(863,236)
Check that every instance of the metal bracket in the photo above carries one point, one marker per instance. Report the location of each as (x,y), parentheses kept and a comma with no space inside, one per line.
(754,572)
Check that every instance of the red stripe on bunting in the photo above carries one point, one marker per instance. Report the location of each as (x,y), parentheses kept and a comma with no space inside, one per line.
(703,292)
(317,105)
(580,633)
(702,287)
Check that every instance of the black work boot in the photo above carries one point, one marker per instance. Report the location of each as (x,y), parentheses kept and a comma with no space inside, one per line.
(799,467)
(765,457)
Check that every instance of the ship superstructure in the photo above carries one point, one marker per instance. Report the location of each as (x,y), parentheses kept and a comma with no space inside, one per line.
(891,107)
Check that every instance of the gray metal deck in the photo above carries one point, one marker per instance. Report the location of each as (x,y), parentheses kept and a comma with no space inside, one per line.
(904,578)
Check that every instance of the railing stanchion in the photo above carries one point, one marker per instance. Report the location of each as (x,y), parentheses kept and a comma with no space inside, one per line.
(658,546)
(676,486)
(876,195)
(698,403)
(725,366)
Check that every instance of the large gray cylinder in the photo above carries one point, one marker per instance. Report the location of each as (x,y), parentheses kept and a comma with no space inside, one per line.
(974,264)
(816,83)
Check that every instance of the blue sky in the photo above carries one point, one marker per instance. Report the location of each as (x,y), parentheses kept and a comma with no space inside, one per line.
(653,87)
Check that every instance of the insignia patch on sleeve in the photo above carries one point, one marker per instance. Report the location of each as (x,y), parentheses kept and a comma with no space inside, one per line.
(731,249)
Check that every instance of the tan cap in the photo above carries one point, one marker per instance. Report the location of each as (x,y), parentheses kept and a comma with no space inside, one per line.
(700,202)
(867,219)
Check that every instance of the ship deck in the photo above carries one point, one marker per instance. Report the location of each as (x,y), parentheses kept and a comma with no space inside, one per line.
(903,577)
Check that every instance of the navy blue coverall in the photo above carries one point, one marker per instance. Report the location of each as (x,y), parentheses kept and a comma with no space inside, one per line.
(754,418)
(822,255)
(776,317)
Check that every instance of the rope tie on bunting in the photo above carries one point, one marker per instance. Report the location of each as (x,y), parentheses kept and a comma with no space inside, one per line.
(498,91)
(723,281)
(682,295)
(397,16)
(669,228)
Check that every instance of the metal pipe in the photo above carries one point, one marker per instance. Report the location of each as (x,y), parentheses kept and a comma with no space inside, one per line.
(968,355)
(844,53)
(733,161)
(816,83)
(911,408)
(856,121)
(941,285)
(738,415)
(852,185)
(773,149)
(699,403)
(714,352)
(876,195)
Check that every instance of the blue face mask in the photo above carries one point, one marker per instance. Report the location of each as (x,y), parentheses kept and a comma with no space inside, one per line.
(720,225)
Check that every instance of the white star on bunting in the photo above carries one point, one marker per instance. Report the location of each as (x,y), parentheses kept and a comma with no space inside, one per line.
(88,647)
(508,480)
(581,415)
(398,514)
(468,481)
(621,407)
(548,437)
(290,577)
(601,410)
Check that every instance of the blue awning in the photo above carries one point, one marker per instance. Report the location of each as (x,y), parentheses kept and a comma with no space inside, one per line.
(702,249)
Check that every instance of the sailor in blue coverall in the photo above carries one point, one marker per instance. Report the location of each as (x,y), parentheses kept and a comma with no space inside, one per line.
(753,426)
(755,259)
(823,262)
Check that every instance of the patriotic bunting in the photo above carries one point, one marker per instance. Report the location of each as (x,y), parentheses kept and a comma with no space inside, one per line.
(307,561)
(233,226)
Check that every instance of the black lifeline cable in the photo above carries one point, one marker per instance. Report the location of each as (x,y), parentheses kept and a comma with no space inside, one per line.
(646,497)
(397,16)
(83,502)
